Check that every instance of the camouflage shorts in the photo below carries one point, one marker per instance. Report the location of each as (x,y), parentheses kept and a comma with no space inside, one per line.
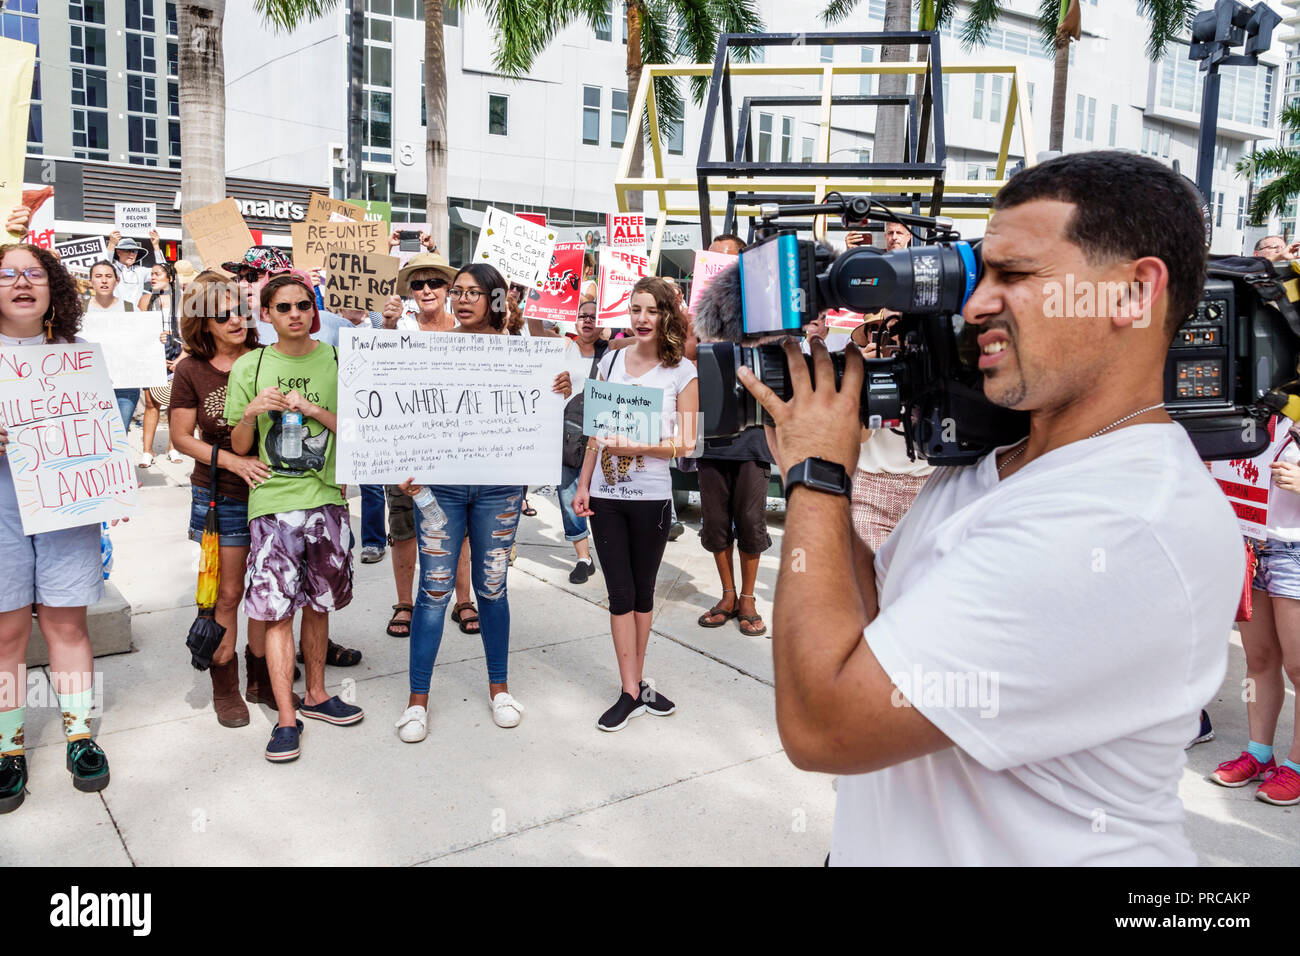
(299,559)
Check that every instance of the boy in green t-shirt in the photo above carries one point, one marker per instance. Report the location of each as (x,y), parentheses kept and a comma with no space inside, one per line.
(301,550)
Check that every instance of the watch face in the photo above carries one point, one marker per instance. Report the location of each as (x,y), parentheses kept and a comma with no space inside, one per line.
(825,473)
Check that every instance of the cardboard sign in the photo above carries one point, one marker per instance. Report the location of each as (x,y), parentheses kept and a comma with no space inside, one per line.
(219,232)
(707,266)
(319,208)
(17,67)
(358,280)
(133,353)
(82,253)
(312,241)
(1248,482)
(40,227)
(67,446)
(448,408)
(633,412)
(558,298)
(135,217)
(626,230)
(520,249)
(619,272)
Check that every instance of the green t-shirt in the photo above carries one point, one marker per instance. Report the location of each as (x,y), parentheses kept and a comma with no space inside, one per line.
(306,481)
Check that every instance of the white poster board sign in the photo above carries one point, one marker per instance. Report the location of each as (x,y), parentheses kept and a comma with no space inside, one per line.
(448,408)
(82,253)
(520,249)
(132,349)
(135,218)
(1248,482)
(67,445)
(620,270)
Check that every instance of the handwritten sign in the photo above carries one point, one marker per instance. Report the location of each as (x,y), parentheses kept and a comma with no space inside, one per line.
(358,280)
(520,249)
(312,241)
(219,232)
(634,412)
(1248,481)
(82,253)
(619,272)
(67,445)
(320,207)
(40,227)
(135,217)
(557,300)
(133,353)
(448,408)
(626,230)
(707,267)
(17,66)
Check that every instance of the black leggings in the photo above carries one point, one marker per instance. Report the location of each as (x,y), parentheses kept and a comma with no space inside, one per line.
(630,540)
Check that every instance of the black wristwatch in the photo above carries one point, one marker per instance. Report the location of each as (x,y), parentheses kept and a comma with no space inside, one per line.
(820,475)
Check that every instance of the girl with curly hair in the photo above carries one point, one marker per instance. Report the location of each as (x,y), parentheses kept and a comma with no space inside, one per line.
(626,490)
(56,572)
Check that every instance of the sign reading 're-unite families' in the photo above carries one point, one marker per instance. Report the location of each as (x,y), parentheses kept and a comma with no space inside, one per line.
(312,241)
(520,249)
(448,408)
(67,446)
(632,412)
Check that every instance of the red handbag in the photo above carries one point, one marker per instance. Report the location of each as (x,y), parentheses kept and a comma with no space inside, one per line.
(1243,606)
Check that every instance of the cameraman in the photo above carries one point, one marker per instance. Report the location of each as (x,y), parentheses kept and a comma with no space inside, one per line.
(1085,577)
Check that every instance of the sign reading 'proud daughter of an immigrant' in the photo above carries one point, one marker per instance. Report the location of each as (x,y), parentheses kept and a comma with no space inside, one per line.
(67,446)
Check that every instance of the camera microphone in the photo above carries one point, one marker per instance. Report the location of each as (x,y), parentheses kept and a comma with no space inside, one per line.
(718,314)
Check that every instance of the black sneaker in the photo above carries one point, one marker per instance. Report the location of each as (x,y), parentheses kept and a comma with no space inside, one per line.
(656,704)
(624,709)
(581,571)
(88,765)
(13,782)
(676,530)
(1206,732)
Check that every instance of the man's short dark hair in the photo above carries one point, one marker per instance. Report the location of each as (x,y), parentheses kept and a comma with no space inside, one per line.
(730,237)
(1126,206)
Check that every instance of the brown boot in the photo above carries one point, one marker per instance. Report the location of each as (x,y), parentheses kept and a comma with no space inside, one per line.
(231,711)
(259,682)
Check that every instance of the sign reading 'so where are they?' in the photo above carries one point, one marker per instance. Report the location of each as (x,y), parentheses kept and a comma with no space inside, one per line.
(520,249)
(67,446)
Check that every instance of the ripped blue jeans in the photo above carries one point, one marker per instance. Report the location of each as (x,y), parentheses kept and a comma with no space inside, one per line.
(488,515)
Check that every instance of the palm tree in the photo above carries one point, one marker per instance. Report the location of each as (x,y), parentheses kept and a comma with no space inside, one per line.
(658,31)
(1280,162)
(202,75)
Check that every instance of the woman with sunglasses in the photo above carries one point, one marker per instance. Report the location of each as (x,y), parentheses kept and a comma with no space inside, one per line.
(56,572)
(487,516)
(215,338)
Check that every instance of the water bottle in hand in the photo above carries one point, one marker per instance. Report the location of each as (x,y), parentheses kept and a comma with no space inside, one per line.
(291,435)
(432,517)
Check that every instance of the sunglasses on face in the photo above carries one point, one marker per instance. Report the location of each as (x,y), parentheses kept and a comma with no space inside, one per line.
(303,305)
(418,285)
(248,275)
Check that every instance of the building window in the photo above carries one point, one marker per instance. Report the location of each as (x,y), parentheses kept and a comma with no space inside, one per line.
(867,82)
(827,56)
(173,60)
(377,80)
(787,139)
(379,124)
(142,134)
(497,114)
(450,18)
(1218,211)
(90,129)
(1114,123)
(617,117)
(972,170)
(379,66)
(603,26)
(87,11)
(979,97)
(414,10)
(140,94)
(591,115)
(170,13)
(174,144)
(1092,116)
(946,99)
(1029,91)
(808,146)
(1085,114)
(139,16)
(1245,93)
(173,100)
(995,101)
(140,54)
(677,141)
(87,46)
(764,137)
(1241,213)
(376,186)
(89,88)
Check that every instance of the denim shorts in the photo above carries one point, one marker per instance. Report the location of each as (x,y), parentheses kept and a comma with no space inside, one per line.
(1279,568)
(232,519)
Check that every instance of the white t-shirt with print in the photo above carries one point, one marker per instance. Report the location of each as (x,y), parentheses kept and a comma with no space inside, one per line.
(1082,608)
(641,478)
(577,365)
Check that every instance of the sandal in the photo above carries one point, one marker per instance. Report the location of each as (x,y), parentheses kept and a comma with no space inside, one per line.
(458,615)
(529,511)
(393,622)
(336,655)
(715,611)
(751,620)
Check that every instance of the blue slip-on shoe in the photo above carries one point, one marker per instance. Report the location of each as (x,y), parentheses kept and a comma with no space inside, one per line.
(284,743)
(333,711)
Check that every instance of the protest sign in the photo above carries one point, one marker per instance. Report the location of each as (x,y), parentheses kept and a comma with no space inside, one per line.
(538,218)
(843,319)
(219,232)
(633,412)
(313,240)
(358,280)
(133,353)
(40,227)
(17,65)
(377,211)
(67,445)
(626,230)
(319,208)
(619,272)
(82,253)
(557,299)
(520,249)
(707,266)
(1248,481)
(135,217)
(448,408)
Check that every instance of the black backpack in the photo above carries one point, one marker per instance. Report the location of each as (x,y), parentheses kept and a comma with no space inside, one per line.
(575,443)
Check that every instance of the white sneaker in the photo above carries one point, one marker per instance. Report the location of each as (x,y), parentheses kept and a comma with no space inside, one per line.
(146,460)
(413,725)
(506,711)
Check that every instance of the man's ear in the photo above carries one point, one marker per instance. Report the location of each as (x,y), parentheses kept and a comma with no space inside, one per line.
(1144,301)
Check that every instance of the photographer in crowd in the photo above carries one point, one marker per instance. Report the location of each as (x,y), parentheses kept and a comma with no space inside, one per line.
(1089,573)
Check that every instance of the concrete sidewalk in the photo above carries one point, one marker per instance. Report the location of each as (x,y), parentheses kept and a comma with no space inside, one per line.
(708,785)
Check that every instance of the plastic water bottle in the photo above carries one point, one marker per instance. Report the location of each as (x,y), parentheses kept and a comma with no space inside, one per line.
(105,549)
(291,435)
(432,517)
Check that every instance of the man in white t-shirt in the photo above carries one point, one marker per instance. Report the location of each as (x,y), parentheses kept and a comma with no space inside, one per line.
(1014,678)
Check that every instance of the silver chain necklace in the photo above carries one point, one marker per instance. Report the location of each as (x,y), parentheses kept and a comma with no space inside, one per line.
(1100,431)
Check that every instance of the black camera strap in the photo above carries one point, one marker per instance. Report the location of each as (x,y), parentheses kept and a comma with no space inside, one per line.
(1259,275)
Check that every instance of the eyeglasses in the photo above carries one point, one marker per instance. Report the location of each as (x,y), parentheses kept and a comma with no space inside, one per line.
(34,275)
(303,305)
(469,295)
(434,284)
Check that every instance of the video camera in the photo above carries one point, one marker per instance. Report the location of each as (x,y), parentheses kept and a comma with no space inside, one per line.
(1232,364)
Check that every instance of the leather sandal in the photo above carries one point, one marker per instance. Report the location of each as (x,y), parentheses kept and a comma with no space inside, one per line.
(336,655)
(714,611)
(458,615)
(393,622)
(751,619)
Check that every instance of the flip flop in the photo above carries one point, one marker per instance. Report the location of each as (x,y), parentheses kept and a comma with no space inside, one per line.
(752,619)
(704,621)
(457,615)
(530,512)
(393,622)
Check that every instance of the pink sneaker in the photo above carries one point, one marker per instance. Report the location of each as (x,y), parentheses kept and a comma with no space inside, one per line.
(1241,771)
(1280,788)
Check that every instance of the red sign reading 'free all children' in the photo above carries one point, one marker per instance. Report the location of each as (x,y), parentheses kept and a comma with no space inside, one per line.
(67,446)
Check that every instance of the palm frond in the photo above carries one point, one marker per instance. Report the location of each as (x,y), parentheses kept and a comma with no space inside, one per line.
(1049,21)
(979,21)
(837,10)
(1168,19)
(1269,161)
(1273,197)
(286,15)
(943,12)
(660,21)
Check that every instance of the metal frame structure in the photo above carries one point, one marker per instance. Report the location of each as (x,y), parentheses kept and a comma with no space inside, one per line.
(735,185)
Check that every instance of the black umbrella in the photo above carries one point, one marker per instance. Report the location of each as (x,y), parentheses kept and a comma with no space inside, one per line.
(205,633)
(204,638)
